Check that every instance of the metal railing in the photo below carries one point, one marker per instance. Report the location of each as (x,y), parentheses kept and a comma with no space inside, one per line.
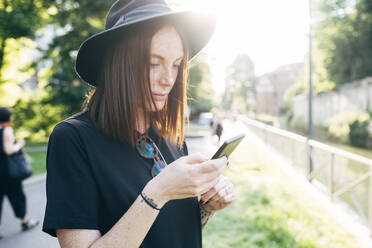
(345,175)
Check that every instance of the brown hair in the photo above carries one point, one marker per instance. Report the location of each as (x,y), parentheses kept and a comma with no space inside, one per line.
(123,88)
(5,114)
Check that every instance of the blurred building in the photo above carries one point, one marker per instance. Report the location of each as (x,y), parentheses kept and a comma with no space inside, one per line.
(271,87)
(350,97)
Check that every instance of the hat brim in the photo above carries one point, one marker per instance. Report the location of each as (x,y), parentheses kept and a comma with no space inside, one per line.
(197,27)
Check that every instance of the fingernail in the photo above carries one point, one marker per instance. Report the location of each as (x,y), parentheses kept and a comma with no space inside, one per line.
(228,163)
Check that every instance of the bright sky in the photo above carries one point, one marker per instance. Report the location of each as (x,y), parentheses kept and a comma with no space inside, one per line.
(271,32)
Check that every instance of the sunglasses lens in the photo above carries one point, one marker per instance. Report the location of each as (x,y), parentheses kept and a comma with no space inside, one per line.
(146,149)
(157,168)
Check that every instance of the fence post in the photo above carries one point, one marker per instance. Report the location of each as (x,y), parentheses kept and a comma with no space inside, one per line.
(309,160)
(331,184)
(370,201)
(293,154)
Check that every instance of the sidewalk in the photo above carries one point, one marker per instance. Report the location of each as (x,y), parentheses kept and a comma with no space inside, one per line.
(10,227)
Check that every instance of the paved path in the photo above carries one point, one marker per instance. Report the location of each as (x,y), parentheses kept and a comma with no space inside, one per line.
(10,226)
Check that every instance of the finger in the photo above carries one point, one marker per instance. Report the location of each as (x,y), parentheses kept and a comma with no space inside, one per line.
(217,197)
(211,176)
(223,183)
(226,190)
(229,187)
(212,165)
(229,198)
(214,190)
(196,158)
(208,185)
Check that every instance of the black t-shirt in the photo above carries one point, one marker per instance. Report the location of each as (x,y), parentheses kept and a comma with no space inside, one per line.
(92,181)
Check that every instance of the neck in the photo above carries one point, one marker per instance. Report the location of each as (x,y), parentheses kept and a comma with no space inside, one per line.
(141,128)
(4,124)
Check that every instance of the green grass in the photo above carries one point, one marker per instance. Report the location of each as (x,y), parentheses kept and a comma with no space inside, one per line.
(33,144)
(38,162)
(38,158)
(271,211)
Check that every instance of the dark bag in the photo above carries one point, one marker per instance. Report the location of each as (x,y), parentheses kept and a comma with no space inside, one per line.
(18,166)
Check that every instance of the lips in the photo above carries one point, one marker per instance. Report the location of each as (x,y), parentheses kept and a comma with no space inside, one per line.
(159,97)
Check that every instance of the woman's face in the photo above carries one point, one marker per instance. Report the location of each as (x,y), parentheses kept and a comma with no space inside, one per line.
(166,54)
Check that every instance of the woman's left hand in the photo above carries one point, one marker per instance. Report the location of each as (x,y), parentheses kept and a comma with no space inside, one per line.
(218,197)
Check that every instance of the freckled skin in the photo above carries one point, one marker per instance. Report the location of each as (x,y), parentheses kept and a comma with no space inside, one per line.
(166,57)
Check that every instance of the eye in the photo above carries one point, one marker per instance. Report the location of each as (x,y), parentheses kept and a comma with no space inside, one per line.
(154,64)
(177,66)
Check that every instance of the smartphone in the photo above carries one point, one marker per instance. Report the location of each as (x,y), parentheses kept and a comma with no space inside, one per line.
(228,146)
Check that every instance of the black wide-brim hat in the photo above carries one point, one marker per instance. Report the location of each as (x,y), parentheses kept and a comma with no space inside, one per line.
(197,28)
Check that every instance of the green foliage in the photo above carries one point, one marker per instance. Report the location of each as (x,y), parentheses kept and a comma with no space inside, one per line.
(358,134)
(200,91)
(77,20)
(19,18)
(319,81)
(294,90)
(350,127)
(240,80)
(35,119)
(344,38)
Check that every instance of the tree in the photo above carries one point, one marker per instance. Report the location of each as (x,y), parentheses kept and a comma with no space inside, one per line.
(20,19)
(344,39)
(200,91)
(240,81)
(75,21)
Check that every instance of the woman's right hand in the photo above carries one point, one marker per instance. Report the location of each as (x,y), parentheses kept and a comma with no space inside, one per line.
(188,176)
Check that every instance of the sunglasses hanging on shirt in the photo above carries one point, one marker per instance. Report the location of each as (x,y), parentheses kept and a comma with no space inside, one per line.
(147,148)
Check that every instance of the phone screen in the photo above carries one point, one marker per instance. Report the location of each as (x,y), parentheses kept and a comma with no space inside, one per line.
(228,146)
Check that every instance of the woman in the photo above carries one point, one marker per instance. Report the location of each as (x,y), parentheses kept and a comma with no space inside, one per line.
(10,187)
(118,173)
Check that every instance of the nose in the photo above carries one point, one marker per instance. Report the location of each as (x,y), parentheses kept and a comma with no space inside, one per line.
(168,76)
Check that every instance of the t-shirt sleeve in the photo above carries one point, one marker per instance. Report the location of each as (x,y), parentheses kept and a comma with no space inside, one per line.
(72,193)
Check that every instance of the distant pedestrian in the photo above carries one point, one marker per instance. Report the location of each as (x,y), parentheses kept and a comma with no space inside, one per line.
(219,130)
(9,187)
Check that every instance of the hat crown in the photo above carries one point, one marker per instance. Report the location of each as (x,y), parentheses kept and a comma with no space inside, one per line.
(124,11)
(125,14)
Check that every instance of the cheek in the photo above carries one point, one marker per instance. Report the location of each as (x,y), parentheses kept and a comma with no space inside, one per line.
(154,78)
(175,74)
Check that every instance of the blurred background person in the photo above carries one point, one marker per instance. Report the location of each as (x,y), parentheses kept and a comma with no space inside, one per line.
(219,130)
(10,187)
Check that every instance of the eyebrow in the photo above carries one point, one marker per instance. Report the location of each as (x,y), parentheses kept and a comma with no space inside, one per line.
(162,58)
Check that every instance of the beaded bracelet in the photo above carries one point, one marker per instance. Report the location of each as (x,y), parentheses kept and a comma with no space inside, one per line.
(150,202)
